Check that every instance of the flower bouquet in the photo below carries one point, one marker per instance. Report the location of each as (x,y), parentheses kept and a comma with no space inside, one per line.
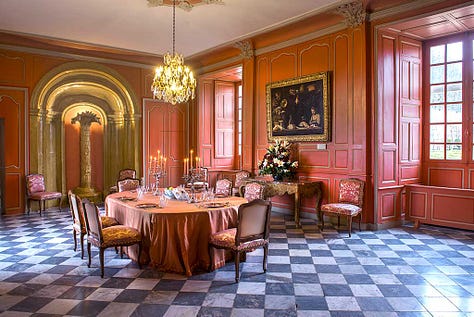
(276,161)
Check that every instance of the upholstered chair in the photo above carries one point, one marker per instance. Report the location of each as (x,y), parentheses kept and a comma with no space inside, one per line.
(36,190)
(349,202)
(123,174)
(223,187)
(239,177)
(103,238)
(79,225)
(253,229)
(128,184)
(202,183)
(254,190)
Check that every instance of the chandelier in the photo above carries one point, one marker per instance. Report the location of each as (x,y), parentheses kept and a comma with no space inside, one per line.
(174,82)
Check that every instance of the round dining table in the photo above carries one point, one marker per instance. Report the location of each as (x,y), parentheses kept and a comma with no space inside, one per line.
(175,237)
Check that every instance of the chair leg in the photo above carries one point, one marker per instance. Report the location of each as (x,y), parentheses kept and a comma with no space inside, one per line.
(338,221)
(349,223)
(59,203)
(82,245)
(322,221)
(211,257)
(360,220)
(89,254)
(265,255)
(75,239)
(101,258)
(237,265)
(139,253)
(28,205)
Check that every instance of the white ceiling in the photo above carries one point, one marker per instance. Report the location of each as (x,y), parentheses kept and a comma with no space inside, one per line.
(133,25)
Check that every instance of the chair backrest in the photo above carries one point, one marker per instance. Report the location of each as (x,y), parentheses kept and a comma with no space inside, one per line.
(254,221)
(35,183)
(224,187)
(93,224)
(76,209)
(351,191)
(239,176)
(126,173)
(128,184)
(253,190)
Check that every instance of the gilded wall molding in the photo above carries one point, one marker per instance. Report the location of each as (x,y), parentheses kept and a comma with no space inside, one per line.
(246,49)
(354,13)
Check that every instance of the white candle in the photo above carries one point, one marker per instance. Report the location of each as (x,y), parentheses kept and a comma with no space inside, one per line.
(191,158)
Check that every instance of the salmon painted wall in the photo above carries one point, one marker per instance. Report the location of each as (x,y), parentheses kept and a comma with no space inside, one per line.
(21,72)
(343,55)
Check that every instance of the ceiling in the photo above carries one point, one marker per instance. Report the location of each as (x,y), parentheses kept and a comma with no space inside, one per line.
(137,26)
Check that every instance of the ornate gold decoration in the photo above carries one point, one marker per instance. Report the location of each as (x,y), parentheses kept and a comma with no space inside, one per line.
(186,5)
(353,12)
(174,82)
(86,119)
(246,49)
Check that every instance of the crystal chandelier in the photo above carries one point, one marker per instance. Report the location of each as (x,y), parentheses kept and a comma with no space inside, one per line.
(174,82)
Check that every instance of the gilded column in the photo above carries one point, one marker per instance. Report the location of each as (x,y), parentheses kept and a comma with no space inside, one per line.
(86,119)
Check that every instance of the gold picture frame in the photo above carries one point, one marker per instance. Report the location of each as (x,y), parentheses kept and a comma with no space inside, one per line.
(298,109)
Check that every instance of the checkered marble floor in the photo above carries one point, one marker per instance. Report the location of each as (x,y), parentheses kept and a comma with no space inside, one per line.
(395,272)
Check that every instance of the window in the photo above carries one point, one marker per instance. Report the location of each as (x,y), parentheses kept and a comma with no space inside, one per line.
(239,120)
(449,91)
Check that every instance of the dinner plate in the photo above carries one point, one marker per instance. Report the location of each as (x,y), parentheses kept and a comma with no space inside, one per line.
(123,198)
(220,195)
(214,205)
(147,205)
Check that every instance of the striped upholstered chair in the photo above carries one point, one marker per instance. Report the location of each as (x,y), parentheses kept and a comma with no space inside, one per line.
(223,187)
(36,190)
(349,202)
(253,230)
(254,190)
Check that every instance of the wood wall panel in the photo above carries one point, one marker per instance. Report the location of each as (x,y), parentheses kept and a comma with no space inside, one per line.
(342,98)
(410,173)
(14,108)
(341,159)
(389,206)
(315,58)
(389,174)
(13,68)
(418,204)
(388,120)
(283,65)
(464,208)
(447,177)
(359,110)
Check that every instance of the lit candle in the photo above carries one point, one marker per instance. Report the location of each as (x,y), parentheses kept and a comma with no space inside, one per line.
(164,164)
(149,165)
(184,166)
(191,158)
(197,162)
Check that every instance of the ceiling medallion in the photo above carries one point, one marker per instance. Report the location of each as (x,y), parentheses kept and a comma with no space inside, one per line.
(186,5)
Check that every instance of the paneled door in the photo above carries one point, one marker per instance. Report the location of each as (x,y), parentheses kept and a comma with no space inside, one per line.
(164,130)
(13,108)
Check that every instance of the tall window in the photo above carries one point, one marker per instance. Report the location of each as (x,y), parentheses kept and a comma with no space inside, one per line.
(449,92)
(239,124)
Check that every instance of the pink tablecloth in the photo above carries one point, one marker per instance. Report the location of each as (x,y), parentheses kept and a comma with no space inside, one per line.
(175,238)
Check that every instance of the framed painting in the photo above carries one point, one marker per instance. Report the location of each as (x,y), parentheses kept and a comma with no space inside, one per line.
(298,109)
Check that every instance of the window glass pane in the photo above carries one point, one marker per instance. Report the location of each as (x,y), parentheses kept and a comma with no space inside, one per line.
(437,151)
(454,92)
(454,113)
(437,133)
(437,54)
(437,114)
(437,74)
(453,151)
(453,133)
(454,52)
(454,72)
(437,94)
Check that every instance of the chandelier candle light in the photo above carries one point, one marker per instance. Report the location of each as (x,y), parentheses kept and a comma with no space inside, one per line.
(174,82)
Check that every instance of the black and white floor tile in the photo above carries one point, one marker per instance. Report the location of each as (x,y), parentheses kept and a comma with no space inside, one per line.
(394,272)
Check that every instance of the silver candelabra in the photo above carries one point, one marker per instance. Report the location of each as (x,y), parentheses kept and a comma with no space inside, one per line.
(158,173)
(194,175)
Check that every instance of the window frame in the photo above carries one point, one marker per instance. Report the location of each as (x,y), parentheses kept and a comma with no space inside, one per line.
(467,101)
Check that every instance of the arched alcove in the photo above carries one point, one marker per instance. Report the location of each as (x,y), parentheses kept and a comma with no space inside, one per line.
(90,85)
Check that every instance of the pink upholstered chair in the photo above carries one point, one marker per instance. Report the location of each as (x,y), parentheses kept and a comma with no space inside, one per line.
(128,184)
(36,190)
(253,230)
(123,174)
(239,176)
(349,203)
(79,225)
(103,238)
(223,187)
(254,190)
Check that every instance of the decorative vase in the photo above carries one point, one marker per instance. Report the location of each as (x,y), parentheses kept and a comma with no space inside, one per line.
(277,177)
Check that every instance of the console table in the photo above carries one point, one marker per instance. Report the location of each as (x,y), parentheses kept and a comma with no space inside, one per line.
(297,188)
